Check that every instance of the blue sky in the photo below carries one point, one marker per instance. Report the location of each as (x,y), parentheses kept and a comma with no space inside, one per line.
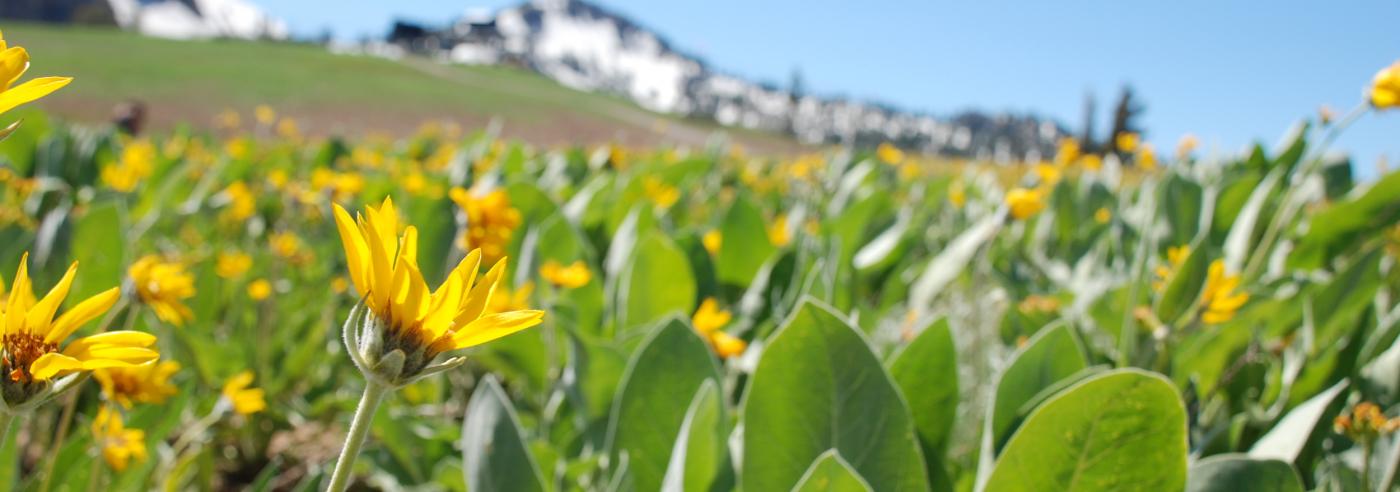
(1229,72)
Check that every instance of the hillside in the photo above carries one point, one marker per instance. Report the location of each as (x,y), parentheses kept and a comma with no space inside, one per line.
(192,81)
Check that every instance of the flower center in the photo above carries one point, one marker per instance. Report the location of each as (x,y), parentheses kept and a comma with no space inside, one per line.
(21,350)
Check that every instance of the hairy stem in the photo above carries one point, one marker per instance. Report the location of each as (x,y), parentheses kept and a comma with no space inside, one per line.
(355,439)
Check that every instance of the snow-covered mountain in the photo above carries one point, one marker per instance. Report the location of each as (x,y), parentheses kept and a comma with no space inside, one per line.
(176,19)
(587,47)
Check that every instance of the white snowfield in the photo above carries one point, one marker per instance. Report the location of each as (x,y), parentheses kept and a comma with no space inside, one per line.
(197,19)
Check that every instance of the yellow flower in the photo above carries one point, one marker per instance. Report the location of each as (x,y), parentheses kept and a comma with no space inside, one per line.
(339,285)
(164,286)
(569,277)
(232,264)
(710,318)
(265,114)
(1038,304)
(1385,87)
(136,163)
(14,61)
(244,401)
(1092,162)
(727,345)
(32,337)
(490,222)
(957,195)
(145,383)
(889,154)
(119,445)
(1067,152)
(1147,157)
(712,240)
(405,326)
(287,129)
(1219,297)
(778,231)
(1025,203)
(1049,174)
(1176,255)
(241,203)
(506,300)
(660,193)
(229,119)
(286,245)
(259,289)
(1127,141)
(1364,423)
(1102,215)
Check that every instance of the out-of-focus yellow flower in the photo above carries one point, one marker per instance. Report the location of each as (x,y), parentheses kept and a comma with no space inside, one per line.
(889,154)
(727,345)
(243,400)
(1048,174)
(287,246)
(410,322)
(339,285)
(342,186)
(1176,255)
(287,129)
(491,221)
(712,240)
(164,286)
(1147,157)
(778,233)
(504,299)
(14,61)
(241,203)
(1186,145)
(265,114)
(232,264)
(1025,203)
(1127,142)
(1038,304)
(617,157)
(1385,87)
(145,383)
(32,337)
(709,317)
(229,119)
(1067,152)
(1364,423)
(573,276)
(238,148)
(957,194)
(136,163)
(660,193)
(1092,162)
(1219,298)
(259,289)
(120,445)
(1102,215)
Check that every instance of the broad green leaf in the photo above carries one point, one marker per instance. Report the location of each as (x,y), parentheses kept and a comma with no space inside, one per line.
(699,453)
(1120,430)
(1051,356)
(1240,473)
(831,473)
(818,386)
(1345,224)
(1184,286)
(101,268)
(654,396)
(1182,204)
(745,245)
(927,373)
(494,454)
(884,249)
(1292,438)
(950,262)
(1239,244)
(657,283)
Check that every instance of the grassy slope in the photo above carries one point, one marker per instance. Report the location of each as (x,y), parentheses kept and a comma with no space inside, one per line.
(192,81)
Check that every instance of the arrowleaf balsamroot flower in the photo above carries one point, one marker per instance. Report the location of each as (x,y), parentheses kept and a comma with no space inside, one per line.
(403,325)
(709,320)
(573,276)
(14,61)
(34,353)
(145,383)
(1219,298)
(1025,203)
(243,400)
(163,286)
(1385,88)
(119,444)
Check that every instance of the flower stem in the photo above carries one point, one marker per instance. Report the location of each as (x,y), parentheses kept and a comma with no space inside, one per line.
(359,429)
(7,421)
(1368,448)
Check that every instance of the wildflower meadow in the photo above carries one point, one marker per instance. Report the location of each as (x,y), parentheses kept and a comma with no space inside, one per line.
(260,307)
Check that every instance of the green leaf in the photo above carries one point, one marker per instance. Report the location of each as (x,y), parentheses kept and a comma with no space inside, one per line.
(494,454)
(1347,224)
(745,245)
(658,283)
(699,453)
(102,267)
(927,373)
(831,473)
(818,386)
(1120,430)
(654,397)
(950,262)
(1291,439)
(1184,286)
(1240,473)
(885,248)
(1051,356)
(1182,203)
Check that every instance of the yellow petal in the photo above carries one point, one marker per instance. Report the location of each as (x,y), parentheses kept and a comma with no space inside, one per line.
(13,63)
(480,295)
(51,363)
(37,322)
(356,252)
(409,248)
(31,90)
(82,346)
(382,274)
(495,326)
(21,297)
(79,315)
